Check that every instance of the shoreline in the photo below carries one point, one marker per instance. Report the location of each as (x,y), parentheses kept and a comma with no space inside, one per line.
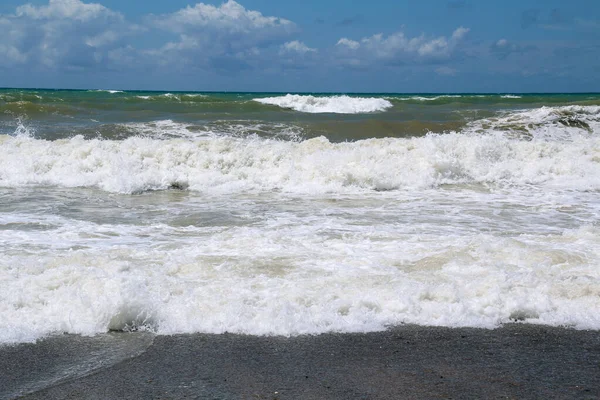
(513,361)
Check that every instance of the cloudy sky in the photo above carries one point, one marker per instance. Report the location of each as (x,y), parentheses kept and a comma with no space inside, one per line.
(310,45)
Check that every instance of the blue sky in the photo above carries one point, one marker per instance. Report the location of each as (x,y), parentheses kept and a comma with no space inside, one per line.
(340,46)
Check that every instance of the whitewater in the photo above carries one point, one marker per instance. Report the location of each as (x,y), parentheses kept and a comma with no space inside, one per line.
(266,225)
(316,165)
(332,104)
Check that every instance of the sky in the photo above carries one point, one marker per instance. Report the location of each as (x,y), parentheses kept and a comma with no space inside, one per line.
(435,46)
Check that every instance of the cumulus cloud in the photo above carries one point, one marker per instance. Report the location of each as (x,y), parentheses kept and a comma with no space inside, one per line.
(351,44)
(398,48)
(76,35)
(296,46)
(230,17)
(222,36)
(460,33)
(66,9)
(63,34)
(67,35)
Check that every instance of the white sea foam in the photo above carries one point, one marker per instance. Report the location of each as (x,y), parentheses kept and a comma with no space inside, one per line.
(292,274)
(163,129)
(109,91)
(552,123)
(161,97)
(477,228)
(139,164)
(511,96)
(422,98)
(177,97)
(169,129)
(237,164)
(328,104)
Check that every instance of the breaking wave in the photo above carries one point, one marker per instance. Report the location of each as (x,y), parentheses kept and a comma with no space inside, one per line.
(180,97)
(330,104)
(545,122)
(555,146)
(109,91)
(316,165)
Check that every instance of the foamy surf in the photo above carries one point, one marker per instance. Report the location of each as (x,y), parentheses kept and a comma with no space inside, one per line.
(277,267)
(328,104)
(221,214)
(553,147)
(431,98)
(551,123)
(180,97)
(110,91)
(169,129)
(228,164)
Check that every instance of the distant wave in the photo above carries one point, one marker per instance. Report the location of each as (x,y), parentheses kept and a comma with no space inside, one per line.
(175,97)
(108,91)
(329,104)
(422,98)
(452,96)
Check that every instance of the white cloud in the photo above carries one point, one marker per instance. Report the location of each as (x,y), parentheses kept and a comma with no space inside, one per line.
(220,37)
(66,9)
(501,43)
(67,35)
(460,33)
(296,47)
(398,48)
(229,17)
(62,34)
(351,44)
(77,35)
(434,47)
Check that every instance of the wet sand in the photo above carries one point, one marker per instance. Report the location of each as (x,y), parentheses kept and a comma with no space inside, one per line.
(408,362)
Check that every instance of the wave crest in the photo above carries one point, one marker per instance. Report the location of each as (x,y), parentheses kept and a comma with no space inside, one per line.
(329,104)
(228,164)
(553,123)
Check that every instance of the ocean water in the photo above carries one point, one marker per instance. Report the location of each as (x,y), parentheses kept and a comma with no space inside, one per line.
(288,214)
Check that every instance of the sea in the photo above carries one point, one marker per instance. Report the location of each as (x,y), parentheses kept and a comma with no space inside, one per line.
(291,214)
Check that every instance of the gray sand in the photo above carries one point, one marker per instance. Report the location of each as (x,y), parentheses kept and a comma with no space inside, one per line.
(408,362)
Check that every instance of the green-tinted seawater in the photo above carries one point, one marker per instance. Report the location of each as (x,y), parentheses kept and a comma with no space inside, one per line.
(54,114)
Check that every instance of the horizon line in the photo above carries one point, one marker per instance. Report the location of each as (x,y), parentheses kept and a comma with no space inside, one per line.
(288,92)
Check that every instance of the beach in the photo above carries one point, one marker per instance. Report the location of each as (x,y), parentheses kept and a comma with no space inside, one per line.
(517,361)
(299,200)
